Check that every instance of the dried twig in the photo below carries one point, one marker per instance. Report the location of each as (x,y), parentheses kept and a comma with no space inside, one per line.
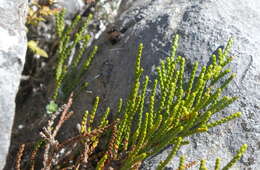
(64,116)
(49,135)
(34,153)
(112,146)
(19,157)
(75,139)
(190,164)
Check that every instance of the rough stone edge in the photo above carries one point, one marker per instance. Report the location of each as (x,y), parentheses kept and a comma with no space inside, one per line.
(12,57)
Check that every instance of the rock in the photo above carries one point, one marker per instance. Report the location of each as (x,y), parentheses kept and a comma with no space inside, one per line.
(72,6)
(104,12)
(203,27)
(12,56)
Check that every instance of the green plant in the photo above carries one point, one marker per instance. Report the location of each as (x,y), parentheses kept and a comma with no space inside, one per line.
(176,108)
(69,73)
(33,46)
(181,109)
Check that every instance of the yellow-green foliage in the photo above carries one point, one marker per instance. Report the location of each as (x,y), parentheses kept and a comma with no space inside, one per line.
(158,113)
(203,165)
(33,46)
(181,163)
(172,153)
(69,73)
(182,109)
(236,157)
(217,164)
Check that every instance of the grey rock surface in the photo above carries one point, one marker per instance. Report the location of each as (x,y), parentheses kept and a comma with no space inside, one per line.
(203,25)
(72,6)
(12,56)
(104,12)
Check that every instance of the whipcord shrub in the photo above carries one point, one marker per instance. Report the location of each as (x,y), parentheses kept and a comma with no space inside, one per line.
(147,122)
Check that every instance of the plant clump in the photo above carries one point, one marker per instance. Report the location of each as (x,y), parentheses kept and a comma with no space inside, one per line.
(143,125)
(68,74)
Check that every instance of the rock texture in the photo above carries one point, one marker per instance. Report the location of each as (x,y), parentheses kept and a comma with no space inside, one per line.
(104,11)
(12,56)
(72,6)
(204,25)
